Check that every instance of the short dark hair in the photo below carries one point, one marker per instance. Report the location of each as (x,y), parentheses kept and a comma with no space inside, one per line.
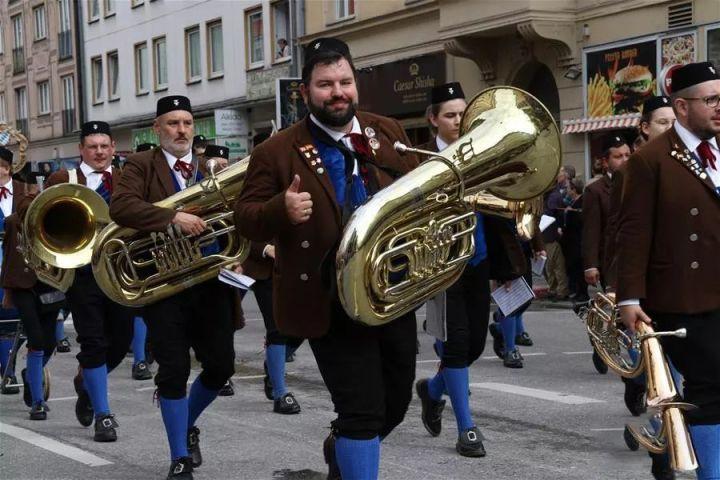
(324,58)
(578,185)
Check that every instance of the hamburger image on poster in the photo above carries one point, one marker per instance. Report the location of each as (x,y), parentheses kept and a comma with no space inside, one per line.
(631,85)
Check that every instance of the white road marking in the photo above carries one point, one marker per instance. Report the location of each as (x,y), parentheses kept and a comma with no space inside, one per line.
(531,354)
(428,361)
(578,353)
(536,393)
(54,446)
(614,429)
(60,399)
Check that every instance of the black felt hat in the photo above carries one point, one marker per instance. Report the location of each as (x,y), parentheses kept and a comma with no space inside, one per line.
(613,140)
(6,155)
(217,151)
(171,103)
(323,45)
(143,147)
(693,73)
(443,93)
(653,103)
(91,128)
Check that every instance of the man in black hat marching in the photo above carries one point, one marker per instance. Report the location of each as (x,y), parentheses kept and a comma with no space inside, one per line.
(667,245)
(199,317)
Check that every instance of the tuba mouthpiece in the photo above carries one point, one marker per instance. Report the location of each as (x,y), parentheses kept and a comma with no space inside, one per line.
(400,147)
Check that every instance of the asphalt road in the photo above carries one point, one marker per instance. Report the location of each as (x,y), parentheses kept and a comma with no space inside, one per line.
(554,419)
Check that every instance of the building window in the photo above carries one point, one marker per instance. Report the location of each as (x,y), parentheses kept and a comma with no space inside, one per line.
(160,63)
(216,62)
(96,70)
(3,111)
(113,75)
(18,50)
(64,32)
(40,22)
(136,3)
(254,28)
(21,113)
(43,89)
(192,54)
(68,110)
(281,29)
(2,38)
(109,6)
(344,8)
(93,10)
(141,69)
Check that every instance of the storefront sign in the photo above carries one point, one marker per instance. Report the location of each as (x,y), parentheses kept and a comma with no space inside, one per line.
(261,83)
(713,45)
(230,122)
(675,51)
(289,105)
(401,88)
(238,146)
(619,79)
(203,126)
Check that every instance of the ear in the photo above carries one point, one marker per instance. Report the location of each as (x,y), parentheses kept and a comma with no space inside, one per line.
(156,126)
(304,92)
(433,120)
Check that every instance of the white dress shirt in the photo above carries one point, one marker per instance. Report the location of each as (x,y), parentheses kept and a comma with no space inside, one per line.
(93,178)
(441,145)
(171,162)
(7,202)
(340,136)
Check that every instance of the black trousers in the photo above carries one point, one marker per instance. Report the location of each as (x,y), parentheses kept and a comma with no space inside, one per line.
(38,320)
(467,315)
(263,294)
(199,318)
(104,328)
(369,372)
(697,358)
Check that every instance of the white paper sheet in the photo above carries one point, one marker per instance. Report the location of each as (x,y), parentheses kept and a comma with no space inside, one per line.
(435,317)
(546,221)
(510,300)
(538,264)
(237,280)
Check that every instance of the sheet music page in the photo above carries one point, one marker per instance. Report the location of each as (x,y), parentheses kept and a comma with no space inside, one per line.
(510,300)
(546,221)
(237,280)
(538,264)
(435,317)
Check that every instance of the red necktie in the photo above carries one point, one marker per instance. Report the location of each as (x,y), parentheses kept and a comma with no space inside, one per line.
(360,143)
(107,181)
(4,192)
(706,155)
(185,169)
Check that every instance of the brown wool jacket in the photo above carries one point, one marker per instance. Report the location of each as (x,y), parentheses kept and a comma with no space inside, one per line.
(15,273)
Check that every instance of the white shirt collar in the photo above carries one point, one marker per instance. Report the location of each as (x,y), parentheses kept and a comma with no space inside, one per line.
(441,144)
(187,158)
(334,134)
(691,140)
(87,170)
(9,185)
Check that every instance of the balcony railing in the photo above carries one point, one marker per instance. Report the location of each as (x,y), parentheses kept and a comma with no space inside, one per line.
(68,121)
(18,60)
(65,45)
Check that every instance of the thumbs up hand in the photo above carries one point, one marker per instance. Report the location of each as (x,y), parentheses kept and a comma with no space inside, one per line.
(297,203)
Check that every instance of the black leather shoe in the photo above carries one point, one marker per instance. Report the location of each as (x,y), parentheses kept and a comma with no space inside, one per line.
(105,428)
(470,444)
(181,469)
(6,389)
(634,397)
(227,390)
(630,441)
(141,371)
(598,363)
(286,405)
(193,446)
(39,411)
(524,340)
(27,394)
(661,469)
(267,384)
(83,408)
(498,341)
(330,459)
(512,359)
(63,346)
(431,409)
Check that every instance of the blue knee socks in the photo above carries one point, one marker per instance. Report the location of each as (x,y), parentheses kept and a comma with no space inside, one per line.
(138,342)
(507,326)
(275,358)
(59,330)
(95,380)
(457,382)
(436,386)
(706,440)
(5,347)
(200,398)
(519,326)
(34,374)
(358,459)
(175,418)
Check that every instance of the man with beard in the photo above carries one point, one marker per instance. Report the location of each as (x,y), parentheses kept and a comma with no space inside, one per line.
(301,187)
(199,317)
(667,248)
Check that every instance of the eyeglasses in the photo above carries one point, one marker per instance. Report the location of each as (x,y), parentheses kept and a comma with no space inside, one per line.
(711,101)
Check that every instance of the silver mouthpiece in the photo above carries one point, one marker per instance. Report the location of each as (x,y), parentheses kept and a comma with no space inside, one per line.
(400,147)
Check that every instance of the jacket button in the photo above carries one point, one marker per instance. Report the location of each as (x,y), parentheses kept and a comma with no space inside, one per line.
(694,211)
(305,244)
(26,270)
(304,277)
(693,237)
(694,265)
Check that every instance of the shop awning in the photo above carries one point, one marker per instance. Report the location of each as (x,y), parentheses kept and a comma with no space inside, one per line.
(597,124)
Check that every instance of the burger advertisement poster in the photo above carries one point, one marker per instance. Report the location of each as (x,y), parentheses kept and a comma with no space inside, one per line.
(619,79)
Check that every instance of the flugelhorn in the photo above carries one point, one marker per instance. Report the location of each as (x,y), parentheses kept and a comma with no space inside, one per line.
(412,239)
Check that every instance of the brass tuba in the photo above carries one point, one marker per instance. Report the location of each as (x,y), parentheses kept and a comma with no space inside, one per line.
(139,268)
(412,239)
(612,344)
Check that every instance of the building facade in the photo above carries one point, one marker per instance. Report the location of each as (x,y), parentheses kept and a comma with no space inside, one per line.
(39,73)
(217,53)
(405,46)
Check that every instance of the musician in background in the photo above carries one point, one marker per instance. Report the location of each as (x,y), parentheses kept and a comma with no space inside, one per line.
(667,245)
(302,186)
(199,317)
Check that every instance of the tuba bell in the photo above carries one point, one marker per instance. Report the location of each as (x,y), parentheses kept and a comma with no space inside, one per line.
(612,343)
(412,239)
(136,268)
